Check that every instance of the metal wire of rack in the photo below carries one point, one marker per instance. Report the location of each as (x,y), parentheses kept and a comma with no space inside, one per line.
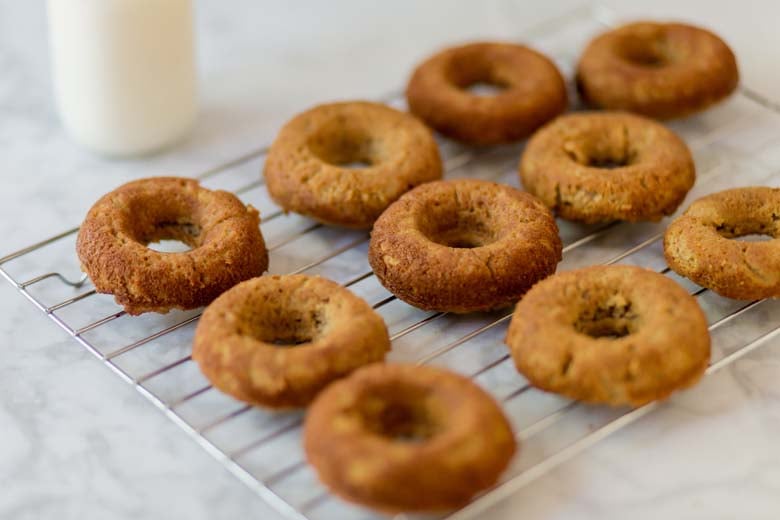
(263,448)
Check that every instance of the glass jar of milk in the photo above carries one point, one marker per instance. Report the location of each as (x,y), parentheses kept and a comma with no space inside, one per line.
(124,72)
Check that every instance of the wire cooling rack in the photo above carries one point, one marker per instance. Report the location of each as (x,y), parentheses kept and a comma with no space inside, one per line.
(736,143)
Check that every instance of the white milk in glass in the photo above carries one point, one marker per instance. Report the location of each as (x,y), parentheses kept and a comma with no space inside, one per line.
(124,72)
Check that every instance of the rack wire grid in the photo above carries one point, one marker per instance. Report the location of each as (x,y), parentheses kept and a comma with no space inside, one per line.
(736,143)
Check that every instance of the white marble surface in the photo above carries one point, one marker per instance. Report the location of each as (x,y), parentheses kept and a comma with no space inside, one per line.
(77,442)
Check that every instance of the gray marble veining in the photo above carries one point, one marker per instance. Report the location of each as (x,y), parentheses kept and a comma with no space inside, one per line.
(77,442)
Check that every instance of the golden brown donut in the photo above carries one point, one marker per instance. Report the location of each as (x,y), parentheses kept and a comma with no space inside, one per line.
(533,92)
(307,166)
(598,167)
(407,438)
(699,245)
(618,334)
(224,235)
(276,341)
(463,245)
(661,70)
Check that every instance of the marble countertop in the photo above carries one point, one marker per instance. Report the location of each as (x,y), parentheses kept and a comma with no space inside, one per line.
(77,442)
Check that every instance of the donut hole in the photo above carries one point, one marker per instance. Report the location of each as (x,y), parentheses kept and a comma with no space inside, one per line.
(612,318)
(172,237)
(607,163)
(755,237)
(612,328)
(599,152)
(465,226)
(170,227)
(645,56)
(356,165)
(647,50)
(291,340)
(461,235)
(345,146)
(748,231)
(477,76)
(399,415)
(283,326)
(485,89)
(169,246)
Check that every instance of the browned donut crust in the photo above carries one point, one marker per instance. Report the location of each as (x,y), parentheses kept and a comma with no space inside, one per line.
(276,341)
(697,244)
(306,168)
(407,438)
(464,246)
(533,92)
(661,70)
(609,334)
(597,167)
(224,235)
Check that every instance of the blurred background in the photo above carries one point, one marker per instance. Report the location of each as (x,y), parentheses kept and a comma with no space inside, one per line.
(260,62)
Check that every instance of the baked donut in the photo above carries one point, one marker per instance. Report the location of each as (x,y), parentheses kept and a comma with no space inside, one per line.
(533,92)
(619,334)
(407,438)
(463,246)
(308,168)
(598,167)
(224,235)
(661,70)
(276,341)
(698,244)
